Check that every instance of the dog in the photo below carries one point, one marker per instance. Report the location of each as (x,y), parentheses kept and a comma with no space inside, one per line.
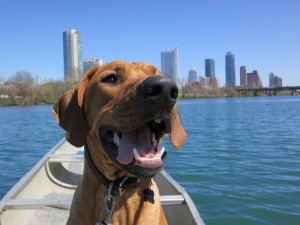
(120,112)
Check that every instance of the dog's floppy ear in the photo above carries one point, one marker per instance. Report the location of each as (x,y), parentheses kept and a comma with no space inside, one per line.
(68,112)
(177,134)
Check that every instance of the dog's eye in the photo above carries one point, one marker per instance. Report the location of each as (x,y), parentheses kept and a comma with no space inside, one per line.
(112,79)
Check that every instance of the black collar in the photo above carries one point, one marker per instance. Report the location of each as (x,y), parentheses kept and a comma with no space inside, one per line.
(123,183)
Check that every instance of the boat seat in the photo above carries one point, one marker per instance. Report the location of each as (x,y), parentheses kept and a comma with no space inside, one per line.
(20,204)
(66,158)
(36,204)
(171,199)
(59,174)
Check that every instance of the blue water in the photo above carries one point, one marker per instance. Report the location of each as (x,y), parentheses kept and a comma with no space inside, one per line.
(26,134)
(240,163)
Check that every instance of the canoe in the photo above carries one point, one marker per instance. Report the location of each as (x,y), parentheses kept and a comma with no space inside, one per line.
(43,196)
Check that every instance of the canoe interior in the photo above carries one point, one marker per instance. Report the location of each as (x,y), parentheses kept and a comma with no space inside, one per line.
(44,194)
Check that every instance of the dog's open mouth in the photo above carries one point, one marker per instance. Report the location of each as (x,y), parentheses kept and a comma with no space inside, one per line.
(139,147)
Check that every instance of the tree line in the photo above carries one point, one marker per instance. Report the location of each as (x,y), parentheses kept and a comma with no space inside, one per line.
(197,90)
(22,89)
(211,90)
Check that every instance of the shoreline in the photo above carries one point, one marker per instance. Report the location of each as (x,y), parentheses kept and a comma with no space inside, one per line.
(180,98)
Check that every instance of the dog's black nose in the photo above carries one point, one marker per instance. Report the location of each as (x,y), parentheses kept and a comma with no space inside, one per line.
(155,87)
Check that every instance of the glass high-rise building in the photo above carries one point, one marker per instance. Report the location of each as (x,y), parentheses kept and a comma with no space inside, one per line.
(73,64)
(193,76)
(169,64)
(274,81)
(230,69)
(243,76)
(210,68)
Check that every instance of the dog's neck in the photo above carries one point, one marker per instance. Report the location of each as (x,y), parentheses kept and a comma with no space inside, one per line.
(122,183)
(121,189)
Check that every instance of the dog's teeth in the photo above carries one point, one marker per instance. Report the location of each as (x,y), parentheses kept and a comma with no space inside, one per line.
(116,139)
(141,159)
(152,136)
(153,139)
(161,152)
(136,155)
(157,120)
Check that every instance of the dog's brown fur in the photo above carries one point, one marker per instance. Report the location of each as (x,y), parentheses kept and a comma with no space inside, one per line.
(92,104)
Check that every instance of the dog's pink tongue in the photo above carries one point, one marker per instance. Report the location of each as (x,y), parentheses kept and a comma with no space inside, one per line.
(138,139)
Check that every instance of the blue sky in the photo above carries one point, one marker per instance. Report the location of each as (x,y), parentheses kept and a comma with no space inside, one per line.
(264,35)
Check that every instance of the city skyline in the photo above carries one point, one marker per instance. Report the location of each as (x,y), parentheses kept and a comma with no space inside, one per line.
(267,42)
(75,66)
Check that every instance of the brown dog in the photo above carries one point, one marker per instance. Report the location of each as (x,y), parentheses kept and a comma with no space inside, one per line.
(120,112)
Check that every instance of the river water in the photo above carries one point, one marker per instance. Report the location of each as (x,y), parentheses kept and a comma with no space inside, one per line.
(240,163)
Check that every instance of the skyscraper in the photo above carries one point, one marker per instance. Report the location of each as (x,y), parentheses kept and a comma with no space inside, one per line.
(210,68)
(274,81)
(193,76)
(89,63)
(243,76)
(169,64)
(230,69)
(253,79)
(73,65)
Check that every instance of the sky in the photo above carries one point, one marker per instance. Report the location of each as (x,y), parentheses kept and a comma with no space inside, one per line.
(264,35)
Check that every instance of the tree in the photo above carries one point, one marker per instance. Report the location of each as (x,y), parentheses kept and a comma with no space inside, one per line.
(75,74)
(21,89)
(214,82)
(24,83)
(229,91)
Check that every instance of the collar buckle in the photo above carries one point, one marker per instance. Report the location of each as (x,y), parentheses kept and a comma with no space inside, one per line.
(120,187)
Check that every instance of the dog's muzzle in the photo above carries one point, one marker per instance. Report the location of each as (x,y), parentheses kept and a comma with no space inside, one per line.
(138,148)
